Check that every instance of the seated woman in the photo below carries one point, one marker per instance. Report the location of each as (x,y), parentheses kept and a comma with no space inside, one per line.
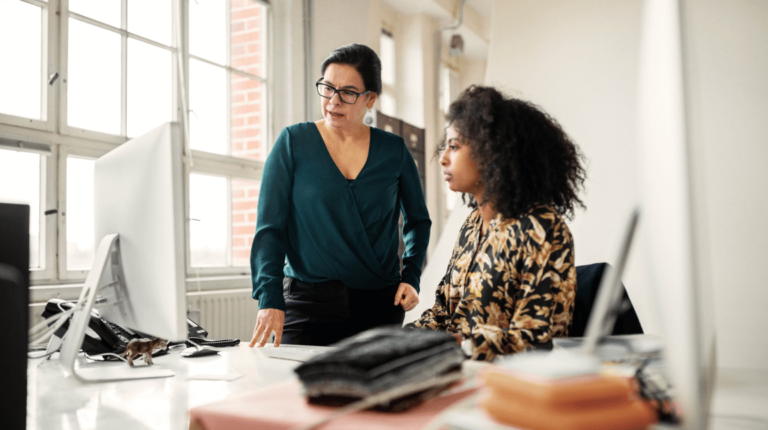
(511,281)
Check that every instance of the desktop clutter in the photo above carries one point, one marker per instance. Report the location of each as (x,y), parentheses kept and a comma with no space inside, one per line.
(410,379)
(107,341)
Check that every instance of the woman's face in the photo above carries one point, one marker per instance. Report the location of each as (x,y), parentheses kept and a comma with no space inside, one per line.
(338,114)
(459,170)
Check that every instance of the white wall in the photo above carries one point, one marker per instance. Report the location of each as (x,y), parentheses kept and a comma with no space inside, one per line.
(578,61)
(726,53)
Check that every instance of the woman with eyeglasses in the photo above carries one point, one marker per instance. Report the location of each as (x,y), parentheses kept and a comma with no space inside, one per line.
(324,259)
(511,282)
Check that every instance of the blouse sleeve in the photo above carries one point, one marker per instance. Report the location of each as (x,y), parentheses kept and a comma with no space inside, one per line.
(269,244)
(416,222)
(543,265)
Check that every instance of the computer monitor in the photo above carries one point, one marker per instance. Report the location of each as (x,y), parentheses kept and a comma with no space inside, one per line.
(14,318)
(138,276)
(672,228)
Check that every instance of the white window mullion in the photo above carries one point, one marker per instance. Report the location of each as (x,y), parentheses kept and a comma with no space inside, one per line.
(61,224)
(228,248)
(124,69)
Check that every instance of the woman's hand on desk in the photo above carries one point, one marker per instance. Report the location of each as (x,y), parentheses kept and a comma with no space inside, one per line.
(268,321)
(406,296)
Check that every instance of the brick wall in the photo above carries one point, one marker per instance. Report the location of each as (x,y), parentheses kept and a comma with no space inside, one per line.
(247,133)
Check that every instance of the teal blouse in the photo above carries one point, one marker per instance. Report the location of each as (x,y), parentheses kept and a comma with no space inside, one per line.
(315,225)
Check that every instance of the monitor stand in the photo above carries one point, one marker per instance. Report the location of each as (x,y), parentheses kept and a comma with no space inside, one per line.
(100,278)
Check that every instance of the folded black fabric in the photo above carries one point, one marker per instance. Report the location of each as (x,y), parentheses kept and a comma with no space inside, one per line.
(378,360)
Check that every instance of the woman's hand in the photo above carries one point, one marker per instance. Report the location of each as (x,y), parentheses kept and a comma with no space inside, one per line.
(267,321)
(406,296)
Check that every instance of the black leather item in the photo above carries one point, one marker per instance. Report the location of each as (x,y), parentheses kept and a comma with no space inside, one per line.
(327,312)
(588,279)
(378,360)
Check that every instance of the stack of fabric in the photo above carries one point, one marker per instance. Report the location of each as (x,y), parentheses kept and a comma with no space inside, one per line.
(379,361)
(577,402)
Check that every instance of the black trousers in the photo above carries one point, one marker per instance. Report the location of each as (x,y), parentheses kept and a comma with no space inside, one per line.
(327,312)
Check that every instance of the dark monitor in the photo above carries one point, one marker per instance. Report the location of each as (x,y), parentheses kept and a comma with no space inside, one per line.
(14,318)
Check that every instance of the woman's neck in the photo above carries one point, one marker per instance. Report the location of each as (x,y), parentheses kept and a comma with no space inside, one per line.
(353,134)
(487,210)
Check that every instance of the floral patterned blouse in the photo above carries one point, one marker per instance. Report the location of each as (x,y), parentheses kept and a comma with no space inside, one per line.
(512,290)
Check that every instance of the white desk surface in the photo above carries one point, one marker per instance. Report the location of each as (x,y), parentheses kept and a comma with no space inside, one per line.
(59,402)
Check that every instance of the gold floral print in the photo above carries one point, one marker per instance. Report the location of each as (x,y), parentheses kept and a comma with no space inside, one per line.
(511,291)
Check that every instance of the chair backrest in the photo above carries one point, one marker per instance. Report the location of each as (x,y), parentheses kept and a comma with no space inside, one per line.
(588,279)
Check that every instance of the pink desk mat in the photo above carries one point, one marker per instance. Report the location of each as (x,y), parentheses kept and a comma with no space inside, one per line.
(281,407)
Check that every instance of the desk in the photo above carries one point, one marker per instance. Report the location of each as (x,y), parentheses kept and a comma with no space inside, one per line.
(59,402)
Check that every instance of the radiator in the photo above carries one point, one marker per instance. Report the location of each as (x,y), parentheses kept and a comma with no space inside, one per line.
(225,314)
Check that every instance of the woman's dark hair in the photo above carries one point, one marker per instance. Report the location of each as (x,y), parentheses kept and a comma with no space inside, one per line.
(363,59)
(523,156)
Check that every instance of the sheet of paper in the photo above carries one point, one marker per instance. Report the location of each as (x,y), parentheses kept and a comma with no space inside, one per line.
(214,377)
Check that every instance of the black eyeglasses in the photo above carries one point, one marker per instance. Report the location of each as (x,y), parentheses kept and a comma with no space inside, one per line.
(346,96)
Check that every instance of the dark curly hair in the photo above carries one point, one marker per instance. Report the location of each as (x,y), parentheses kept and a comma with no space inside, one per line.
(523,156)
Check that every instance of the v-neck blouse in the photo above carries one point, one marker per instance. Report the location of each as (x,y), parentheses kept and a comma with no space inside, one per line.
(315,225)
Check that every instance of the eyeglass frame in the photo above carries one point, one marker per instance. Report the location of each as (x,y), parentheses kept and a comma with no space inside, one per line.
(336,92)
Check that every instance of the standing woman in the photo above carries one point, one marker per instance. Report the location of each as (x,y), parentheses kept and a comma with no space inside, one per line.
(324,260)
(511,282)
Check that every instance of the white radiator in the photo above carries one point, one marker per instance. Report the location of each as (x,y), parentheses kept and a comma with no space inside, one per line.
(225,314)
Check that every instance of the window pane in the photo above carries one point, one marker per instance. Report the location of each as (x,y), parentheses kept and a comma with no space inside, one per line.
(208,30)
(79,215)
(247,37)
(208,220)
(106,11)
(387,60)
(21,53)
(20,183)
(151,19)
(208,105)
(245,197)
(149,87)
(93,93)
(247,97)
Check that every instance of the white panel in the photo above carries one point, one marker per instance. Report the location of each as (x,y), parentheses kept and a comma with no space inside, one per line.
(138,194)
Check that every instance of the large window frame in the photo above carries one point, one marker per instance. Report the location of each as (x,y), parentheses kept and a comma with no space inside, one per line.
(55,140)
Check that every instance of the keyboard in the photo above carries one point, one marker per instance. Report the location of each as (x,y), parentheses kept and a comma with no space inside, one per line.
(293,352)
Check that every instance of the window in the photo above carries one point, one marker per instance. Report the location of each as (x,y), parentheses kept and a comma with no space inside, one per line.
(87,78)
(388,72)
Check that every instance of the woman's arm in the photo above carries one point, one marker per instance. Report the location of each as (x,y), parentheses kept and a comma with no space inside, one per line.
(269,243)
(416,222)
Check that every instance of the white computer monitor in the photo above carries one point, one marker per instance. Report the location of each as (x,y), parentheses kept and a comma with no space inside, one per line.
(672,227)
(138,276)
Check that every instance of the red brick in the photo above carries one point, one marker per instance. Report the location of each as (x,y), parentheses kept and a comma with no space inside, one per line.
(247,132)
(254,95)
(238,194)
(253,48)
(245,38)
(245,85)
(249,230)
(238,122)
(252,217)
(239,242)
(239,206)
(245,13)
(237,26)
(253,193)
(241,62)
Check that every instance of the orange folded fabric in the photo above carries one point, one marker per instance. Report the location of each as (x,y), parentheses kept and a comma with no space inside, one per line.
(589,402)
(281,407)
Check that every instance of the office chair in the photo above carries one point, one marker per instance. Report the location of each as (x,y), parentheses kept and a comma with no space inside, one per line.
(588,279)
